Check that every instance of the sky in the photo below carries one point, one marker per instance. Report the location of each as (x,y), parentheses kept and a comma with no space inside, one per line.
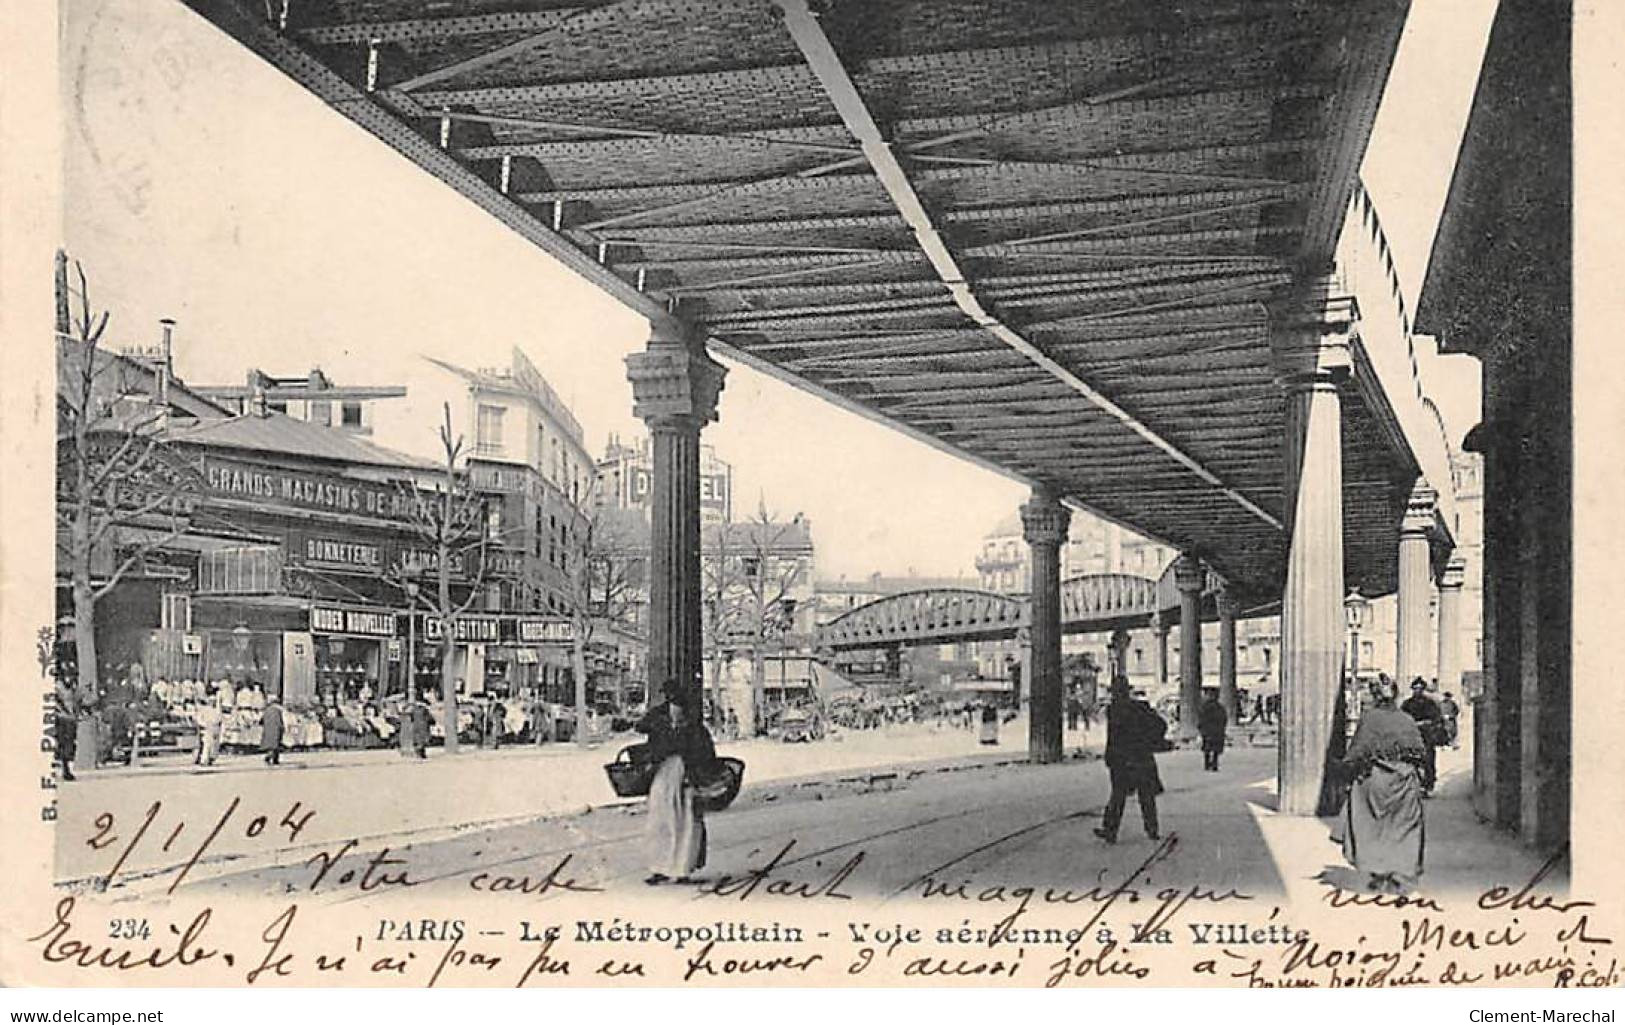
(205,186)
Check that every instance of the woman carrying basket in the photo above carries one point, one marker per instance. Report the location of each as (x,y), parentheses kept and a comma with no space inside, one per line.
(683,750)
(1382,828)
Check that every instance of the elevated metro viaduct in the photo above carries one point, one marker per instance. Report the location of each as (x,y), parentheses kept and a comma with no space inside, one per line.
(1093,247)
(1111,603)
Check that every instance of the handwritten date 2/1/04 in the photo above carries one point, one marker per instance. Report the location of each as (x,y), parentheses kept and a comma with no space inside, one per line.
(110,833)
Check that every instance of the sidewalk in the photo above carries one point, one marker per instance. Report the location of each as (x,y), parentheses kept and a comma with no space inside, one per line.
(321,799)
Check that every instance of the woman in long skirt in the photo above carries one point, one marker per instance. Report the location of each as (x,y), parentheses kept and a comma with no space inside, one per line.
(680,745)
(1383,827)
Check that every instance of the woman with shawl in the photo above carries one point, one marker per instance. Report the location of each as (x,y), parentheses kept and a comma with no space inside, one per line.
(683,750)
(1383,831)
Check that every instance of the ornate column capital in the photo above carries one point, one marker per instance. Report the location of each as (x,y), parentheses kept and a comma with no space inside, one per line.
(1044,520)
(1160,624)
(1121,639)
(1189,574)
(674,383)
(1419,510)
(1312,328)
(1454,574)
(1227,604)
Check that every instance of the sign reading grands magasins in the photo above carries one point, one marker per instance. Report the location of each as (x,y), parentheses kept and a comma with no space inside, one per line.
(229,478)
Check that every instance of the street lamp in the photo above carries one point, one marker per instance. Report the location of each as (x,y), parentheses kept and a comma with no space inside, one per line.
(1355,609)
(410,684)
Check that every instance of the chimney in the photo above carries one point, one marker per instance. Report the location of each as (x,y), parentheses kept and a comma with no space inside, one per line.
(256,405)
(166,366)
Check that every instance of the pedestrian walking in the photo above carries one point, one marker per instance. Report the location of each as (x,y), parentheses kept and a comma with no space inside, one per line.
(209,724)
(271,730)
(420,727)
(682,748)
(1211,720)
(1134,734)
(1074,711)
(66,729)
(1430,723)
(1382,827)
(990,724)
(1452,720)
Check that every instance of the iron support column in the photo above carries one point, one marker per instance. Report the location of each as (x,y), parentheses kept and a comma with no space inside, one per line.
(1044,523)
(675,387)
(1227,655)
(1310,342)
(1415,583)
(1189,575)
(1450,582)
(1159,630)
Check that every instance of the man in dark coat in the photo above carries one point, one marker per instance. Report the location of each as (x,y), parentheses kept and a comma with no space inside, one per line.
(67,729)
(420,728)
(1211,720)
(271,730)
(1134,733)
(1431,722)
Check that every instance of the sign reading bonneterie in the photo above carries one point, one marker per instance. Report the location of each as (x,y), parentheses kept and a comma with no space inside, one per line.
(329,619)
(230,478)
(333,551)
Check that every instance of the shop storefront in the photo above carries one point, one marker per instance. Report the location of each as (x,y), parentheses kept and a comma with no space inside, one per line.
(354,653)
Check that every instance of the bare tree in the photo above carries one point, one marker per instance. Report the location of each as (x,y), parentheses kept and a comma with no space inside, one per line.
(603,576)
(769,570)
(122,491)
(450,518)
(720,591)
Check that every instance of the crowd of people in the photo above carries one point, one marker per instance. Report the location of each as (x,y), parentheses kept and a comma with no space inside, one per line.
(131,718)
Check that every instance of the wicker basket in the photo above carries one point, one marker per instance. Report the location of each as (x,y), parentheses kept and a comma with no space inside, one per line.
(629,774)
(720,788)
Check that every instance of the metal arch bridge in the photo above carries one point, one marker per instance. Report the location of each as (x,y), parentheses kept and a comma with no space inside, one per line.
(1097,602)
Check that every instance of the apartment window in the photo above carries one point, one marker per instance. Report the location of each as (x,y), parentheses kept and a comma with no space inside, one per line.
(489,429)
(321,413)
(350,414)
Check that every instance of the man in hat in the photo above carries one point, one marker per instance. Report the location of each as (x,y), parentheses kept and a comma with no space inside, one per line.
(271,730)
(1430,721)
(1134,733)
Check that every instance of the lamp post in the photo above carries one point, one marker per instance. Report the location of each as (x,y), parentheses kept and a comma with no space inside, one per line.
(410,683)
(1355,609)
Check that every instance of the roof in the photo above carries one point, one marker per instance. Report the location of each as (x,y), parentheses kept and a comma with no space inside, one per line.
(521,379)
(285,435)
(133,376)
(773,536)
(1051,259)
